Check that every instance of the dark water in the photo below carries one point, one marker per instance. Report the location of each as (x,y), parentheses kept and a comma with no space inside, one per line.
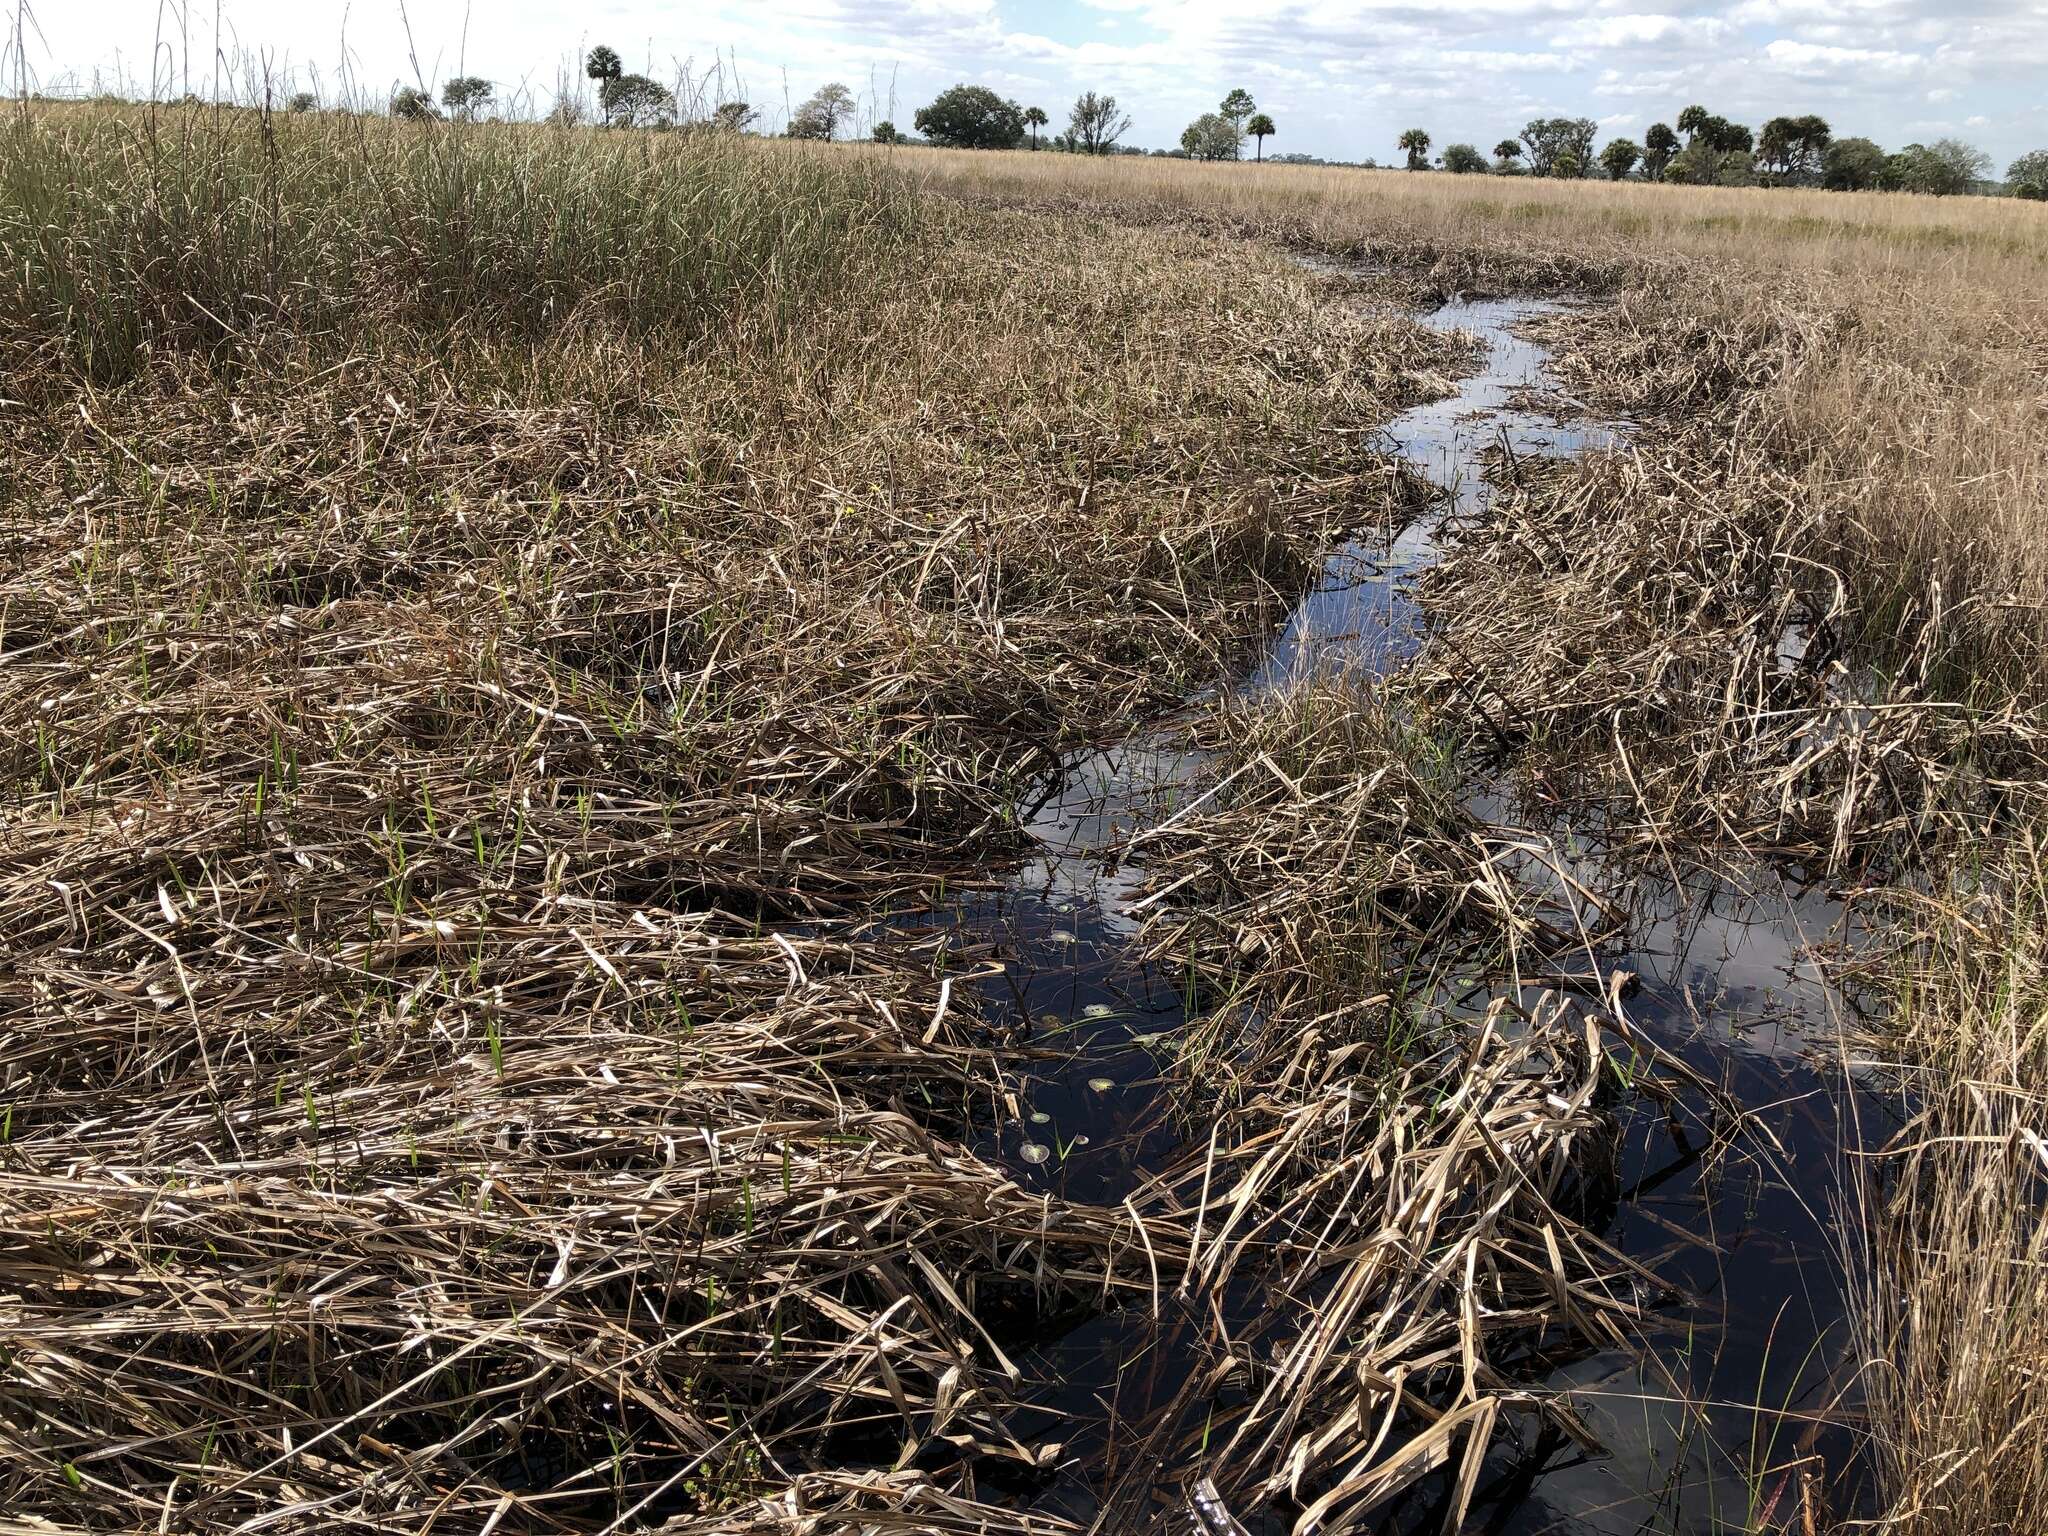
(1737,1394)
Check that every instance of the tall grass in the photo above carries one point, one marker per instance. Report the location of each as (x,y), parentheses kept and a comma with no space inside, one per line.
(124,232)
(1953,1313)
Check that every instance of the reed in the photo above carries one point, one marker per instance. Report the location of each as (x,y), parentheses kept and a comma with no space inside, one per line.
(497,622)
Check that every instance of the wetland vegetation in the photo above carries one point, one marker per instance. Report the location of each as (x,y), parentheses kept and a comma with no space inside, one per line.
(656,871)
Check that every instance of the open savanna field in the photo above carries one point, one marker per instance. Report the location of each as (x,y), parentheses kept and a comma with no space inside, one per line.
(533,662)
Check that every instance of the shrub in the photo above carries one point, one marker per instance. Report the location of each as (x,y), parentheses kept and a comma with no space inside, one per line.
(411,105)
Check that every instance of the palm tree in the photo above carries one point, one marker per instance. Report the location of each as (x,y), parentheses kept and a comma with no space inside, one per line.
(1261,127)
(1508,149)
(1416,142)
(1035,119)
(605,67)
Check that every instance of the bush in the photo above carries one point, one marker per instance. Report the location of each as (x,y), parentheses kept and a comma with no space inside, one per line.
(2031,192)
(413,106)
(1464,160)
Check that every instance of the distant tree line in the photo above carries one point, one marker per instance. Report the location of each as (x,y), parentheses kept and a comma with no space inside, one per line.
(1698,148)
(1706,149)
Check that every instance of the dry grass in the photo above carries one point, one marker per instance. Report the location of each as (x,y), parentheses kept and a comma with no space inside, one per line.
(470,692)
(1990,242)
(1804,615)
(1887,354)
(1954,1318)
(449,757)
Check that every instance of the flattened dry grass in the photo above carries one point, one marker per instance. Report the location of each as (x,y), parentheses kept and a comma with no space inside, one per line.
(1889,351)
(449,753)
(468,685)
(1800,615)
(1332,873)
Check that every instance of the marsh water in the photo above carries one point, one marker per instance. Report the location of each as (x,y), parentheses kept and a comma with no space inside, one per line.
(1739,1388)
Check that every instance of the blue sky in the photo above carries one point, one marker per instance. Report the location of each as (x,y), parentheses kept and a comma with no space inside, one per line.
(1341,77)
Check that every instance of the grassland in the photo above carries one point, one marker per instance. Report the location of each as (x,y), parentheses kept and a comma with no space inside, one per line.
(494,620)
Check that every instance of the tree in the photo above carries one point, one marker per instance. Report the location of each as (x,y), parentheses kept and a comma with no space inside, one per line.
(1035,119)
(885,133)
(1726,137)
(634,101)
(1620,157)
(971,117)
(1464,160)
(1238,106)
(413,105)
(1852,165)
(1690,122)
(1261,128)
(466,95)
(1790,149)
(2031,168)
(1212,136)
(829,106)
(1508,149)
(1945,168)
(733,117)
(1949,167)
(1567,166)
(1701,165)
(1659,145)
(1094,125)
(1549,138)
(302,101)
(1416,143)
(607,70)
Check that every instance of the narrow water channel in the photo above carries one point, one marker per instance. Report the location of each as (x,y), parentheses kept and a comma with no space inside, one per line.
(1735,1396)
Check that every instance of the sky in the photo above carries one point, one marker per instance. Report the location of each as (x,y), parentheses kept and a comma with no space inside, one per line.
(1341,78)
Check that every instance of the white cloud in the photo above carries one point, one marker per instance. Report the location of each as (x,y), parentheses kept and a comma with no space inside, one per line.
(1343,77)
(1820,59)
(1643,32)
